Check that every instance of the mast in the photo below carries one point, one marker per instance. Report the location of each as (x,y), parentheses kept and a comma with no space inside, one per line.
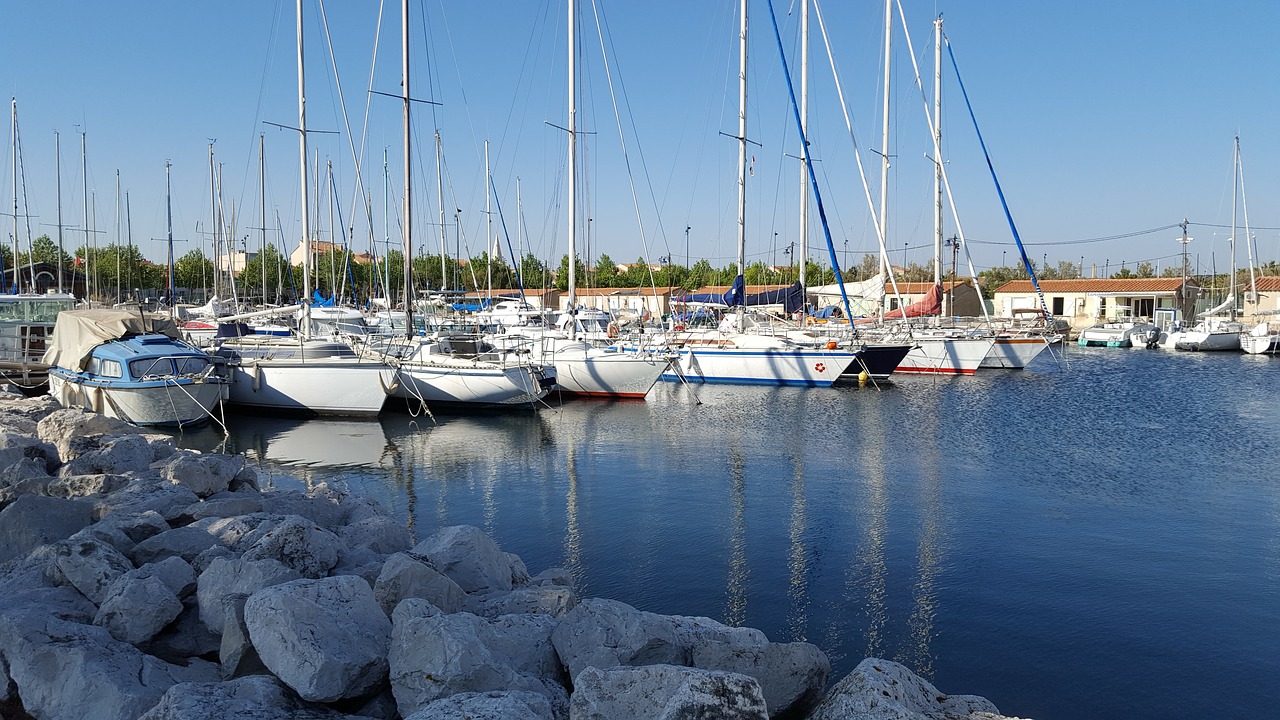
(573,166)
(742,160)
(213,220)
(17,276)
(803,258)
(118,248)
(884,139)
(408,206)
(168,204)
(57,151)
(488,224)
(128,221)
(386,229)
(444,279)
(937,161)
(262,206)
(1235,189)
(305,324)
(84,177)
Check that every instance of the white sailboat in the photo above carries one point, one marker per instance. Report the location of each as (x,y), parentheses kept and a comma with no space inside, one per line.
(304,374)
(734,356)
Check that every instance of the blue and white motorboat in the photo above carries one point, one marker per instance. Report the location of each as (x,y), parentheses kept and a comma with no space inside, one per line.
(131,365)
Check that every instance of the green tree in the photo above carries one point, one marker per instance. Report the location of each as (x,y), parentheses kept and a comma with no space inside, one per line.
(193,270)
(45,250)
(1146,270)
(606,272)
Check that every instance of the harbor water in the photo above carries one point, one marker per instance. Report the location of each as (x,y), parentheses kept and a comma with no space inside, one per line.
(1091,537)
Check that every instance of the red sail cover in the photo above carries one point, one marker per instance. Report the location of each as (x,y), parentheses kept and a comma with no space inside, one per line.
(930,304)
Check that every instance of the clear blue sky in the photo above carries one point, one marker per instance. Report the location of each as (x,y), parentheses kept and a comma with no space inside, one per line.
(1103,119)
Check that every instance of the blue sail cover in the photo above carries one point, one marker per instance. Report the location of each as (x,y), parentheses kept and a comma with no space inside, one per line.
(790,298)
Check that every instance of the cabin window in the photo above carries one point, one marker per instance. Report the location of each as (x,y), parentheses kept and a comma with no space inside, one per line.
(1059,306)
(150,366)
(191,365)
(110,368)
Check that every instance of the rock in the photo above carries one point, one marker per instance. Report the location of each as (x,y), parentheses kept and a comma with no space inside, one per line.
(259,697)
(17,447)
(322,510)
(487,706)
(553,576)
(299,544)
(358,508)
(665,692)
(380,534)
(32,521)
(138,608)
(440,655)
(184,542)
(413,608)
(519,573)
(202,474)
(245,481)
(28,476)
(606,633)
(119,454)
(469,557)
(885,690)
(226,577)
(73,431)
(327,639)
(236,653)
(225,505)
(69,671)
(241,532)
(176,574)
(19,413)
(91,566)
(134,526)
(380,707)
(185,638)
(146,493)
(553,601)
(75,486)
(405,576)
(792,676)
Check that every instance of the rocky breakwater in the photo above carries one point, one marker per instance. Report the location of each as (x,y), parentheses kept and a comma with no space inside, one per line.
(138,580)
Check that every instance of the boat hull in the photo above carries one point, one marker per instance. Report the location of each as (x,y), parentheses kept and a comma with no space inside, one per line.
(1015,353)
(1207,341)
(946,356)
(599,372)
(175,403)
(1260,344)
(766,366)
(479,386)
(337,387)
(878,361)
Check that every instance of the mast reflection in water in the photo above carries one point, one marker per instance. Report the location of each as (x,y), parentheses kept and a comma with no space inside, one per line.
(1070,544)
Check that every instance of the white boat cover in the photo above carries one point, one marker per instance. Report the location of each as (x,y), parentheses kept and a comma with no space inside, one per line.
(78,332)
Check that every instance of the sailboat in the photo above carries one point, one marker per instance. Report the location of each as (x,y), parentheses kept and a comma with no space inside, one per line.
(304,374)
(731,355)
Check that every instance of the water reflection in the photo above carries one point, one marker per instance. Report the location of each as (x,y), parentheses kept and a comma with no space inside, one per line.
(735,611)
(798,556)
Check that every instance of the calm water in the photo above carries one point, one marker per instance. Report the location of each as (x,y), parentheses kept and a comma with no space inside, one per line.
(1098,541)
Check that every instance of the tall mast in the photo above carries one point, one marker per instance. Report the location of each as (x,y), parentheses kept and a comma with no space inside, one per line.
(573,162)
(213,220)
(386,229)
(168,204)
(118,248)
(1235,189)
(488,224)
(17,277)
(57,151)
(305,325)
(262,207)
(408,206)
(444,279)
(937,169)
(803,257)
(742,159)
(884,138)
(128,221)
(84,177)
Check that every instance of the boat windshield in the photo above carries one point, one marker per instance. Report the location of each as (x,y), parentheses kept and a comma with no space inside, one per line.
(33,311)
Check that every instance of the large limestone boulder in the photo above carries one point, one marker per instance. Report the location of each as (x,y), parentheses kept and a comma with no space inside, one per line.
(202,474)
(319,505)
(665,692)
(298,543)
(488,706)
(436,655)
(225,505)
(259,697)
(327,639)
(32,521)
(185,638)
(236,654)
(147,492)
(554,601)
(606,633)
(406,576)
(183,542)
(91,566)
(469,557)
(16,447)
(118,454)
(885,690)
(226,577)
(123,531)
(380,534)
(73,431)
(138,608)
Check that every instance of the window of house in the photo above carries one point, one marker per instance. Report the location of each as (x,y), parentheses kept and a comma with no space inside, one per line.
(1059,305)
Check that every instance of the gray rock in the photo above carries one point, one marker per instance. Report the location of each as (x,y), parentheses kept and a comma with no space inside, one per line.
(206,558)
(69,671)
(138,608)
(231,577)
(380,707)
(358,508)
(441,655)
(519,573)
(553,576)
(411,608)
(32,521)
(885,690)
(136,526)
(74,431)
(245,481)
(319,508)
(116,455)
(17,447)
(468,556)
(327,639)
(176,574)
(299,544)
(380,534)
(184,542)
(27,476)
(225,505)
(7,689)
(606,633)
(665,692)
(146,493)
(523,642)
(259,697)
(91,566)
(75,486)
(185,638)
(405,576)
(792,676)
(202,474)
(488,706)
(548,600)
(236,653)
(359,562)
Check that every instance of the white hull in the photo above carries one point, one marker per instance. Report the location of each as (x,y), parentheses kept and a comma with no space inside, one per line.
(606,372)
(1206,340)
(946,356)
(1260,345)
(744,364)
(1112,334)
(1016,352)
(324,387)
(457,384)
(160,404)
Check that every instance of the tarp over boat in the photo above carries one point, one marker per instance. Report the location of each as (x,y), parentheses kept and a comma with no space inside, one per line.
(78,332)
(930,304)
(790,298)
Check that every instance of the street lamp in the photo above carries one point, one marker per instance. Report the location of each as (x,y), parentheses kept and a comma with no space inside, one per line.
(686,247)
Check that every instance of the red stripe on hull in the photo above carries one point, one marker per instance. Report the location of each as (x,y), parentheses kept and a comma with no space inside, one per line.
(935,371)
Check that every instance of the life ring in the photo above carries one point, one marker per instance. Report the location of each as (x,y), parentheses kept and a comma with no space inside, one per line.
(831,345)
(677,328)
(613,330)
(808,321)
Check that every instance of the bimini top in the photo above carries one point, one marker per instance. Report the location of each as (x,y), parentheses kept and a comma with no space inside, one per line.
(78,332)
